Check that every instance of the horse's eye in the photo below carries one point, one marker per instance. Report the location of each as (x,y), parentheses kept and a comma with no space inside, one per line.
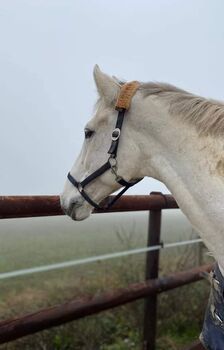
(88,133)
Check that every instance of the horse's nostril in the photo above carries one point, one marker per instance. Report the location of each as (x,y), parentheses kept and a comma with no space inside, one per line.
(74,204)
(69,204)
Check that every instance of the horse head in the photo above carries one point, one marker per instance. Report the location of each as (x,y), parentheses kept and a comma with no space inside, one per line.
(102,167)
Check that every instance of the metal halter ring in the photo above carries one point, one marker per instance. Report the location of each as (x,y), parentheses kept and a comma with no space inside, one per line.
(116,134)
(113,162)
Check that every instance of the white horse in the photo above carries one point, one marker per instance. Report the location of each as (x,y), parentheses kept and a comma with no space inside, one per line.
(168,134)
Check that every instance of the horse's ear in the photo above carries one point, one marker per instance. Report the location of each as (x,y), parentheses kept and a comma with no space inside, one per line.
(107,87)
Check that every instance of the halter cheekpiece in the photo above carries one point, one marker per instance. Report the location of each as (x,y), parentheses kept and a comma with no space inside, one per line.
(122,105)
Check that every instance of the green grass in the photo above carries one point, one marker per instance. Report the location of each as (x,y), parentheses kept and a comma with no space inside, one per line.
(33,242)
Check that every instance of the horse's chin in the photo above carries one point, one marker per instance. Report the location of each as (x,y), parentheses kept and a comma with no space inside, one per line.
(80,214)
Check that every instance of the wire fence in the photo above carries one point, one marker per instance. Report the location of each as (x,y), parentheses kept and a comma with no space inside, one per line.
(93,259)
(32,206)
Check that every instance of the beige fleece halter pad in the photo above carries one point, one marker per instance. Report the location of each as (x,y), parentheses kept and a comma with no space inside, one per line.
(127,92)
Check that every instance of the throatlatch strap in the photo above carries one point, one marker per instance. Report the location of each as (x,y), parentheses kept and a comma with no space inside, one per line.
(127,92)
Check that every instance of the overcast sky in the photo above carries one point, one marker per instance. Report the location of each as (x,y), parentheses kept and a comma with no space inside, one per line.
(47,53)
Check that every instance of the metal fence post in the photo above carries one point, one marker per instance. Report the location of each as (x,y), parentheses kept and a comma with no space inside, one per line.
(152,269)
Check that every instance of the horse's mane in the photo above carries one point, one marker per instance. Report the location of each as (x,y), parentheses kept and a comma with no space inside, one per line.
(206,115)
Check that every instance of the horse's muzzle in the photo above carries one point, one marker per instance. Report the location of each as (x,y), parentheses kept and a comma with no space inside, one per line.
(75,207)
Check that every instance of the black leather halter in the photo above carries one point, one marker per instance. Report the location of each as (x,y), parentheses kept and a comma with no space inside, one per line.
(110,164)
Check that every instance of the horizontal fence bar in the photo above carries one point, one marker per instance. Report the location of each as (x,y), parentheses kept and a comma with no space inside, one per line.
(32,206)
(79,308)
(93,259)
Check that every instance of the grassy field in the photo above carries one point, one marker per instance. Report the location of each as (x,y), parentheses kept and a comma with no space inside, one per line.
(34,242)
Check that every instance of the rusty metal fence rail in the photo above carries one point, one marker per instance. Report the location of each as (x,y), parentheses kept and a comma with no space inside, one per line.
(33,206)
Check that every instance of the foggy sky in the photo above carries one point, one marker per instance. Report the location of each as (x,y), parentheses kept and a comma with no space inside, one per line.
(47,53)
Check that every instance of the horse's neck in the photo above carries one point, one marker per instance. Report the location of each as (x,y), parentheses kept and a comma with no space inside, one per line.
(192,167)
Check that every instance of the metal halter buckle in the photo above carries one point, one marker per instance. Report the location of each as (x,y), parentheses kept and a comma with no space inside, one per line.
(113,162)
(116,134)
(113,166)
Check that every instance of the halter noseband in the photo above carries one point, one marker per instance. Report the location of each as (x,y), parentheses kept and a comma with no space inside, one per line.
(122,105)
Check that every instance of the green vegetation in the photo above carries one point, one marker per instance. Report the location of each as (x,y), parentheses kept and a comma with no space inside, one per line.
(33,242)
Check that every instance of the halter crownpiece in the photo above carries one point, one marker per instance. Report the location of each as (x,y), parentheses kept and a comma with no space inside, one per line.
(122,105)
(125,96)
